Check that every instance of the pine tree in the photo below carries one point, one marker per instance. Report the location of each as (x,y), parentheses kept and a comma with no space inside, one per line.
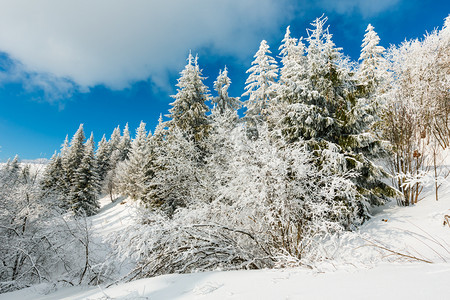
(372,70)
(53,184)
(188,112)
(293,72)
(84,190)
(223,102)
(291,90)
(72,159)
(125,144)
(114,141)
(103,156)
(178,177)
(259,87)
(328,115)
(137,170)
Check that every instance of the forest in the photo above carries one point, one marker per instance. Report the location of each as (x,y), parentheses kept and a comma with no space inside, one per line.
(227,184)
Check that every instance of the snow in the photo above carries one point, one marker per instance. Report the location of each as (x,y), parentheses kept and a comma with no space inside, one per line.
(411,281)
(356,269)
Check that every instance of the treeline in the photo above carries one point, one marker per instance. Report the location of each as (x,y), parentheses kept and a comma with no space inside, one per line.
(220,191)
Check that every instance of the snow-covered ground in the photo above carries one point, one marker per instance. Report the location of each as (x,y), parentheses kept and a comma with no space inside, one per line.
(358,267)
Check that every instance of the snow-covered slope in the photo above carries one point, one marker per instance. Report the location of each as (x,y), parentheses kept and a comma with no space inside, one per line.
(358,267)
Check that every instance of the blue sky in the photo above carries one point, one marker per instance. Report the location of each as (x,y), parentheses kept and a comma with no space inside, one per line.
(105,63)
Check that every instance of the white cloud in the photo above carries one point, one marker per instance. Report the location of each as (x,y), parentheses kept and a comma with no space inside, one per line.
(367,8)
(61,45)
(50,87)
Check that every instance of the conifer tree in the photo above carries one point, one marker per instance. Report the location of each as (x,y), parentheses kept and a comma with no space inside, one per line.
(72,159)
(328,116)
(125,143)
(259,87)
(84,190)
(188,112)
(293,72)
(372,70)
(53,184)
(137,172)
(223,102)
(103,156)
(291,89)
(114,140)
(178,177)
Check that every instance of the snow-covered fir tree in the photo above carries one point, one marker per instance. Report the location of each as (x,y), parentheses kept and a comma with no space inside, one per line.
(103,155)
(293,72)
(188,112)
(223,102)
(125,144)
(53,183)
(85,186)
(136,172)
(328,115)
(75,153)
(259,88)
(292,87)
(372,70)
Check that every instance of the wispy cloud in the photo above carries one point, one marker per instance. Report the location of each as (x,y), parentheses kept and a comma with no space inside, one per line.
(49,87)
(59,46)
(366,8)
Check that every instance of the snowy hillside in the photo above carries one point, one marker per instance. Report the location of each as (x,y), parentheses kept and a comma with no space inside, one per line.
(356,266)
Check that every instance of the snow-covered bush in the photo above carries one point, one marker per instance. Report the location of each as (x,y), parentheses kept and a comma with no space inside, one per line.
(272,205)
(37,242)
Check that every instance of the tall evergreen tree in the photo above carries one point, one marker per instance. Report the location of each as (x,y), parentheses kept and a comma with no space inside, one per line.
(72,159)
(114,140)
(372,70)
(292,87)
(103,156)
(125,144)
(329,117)
(259,87)
(223,102)
(188,112)
(293,71)
(84,190)
(137,170)
(53,184)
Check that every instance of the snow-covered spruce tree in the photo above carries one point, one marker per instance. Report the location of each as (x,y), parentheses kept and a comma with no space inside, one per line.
(103,155)
(293,73)
(119,148)
(114,140)
(188,112)
(292,87)
(179,170)
(372,70)
(181,154)
(259,88)
(135,173)
(53,183)
(373,82)
(85,184)
(223,102)
(125,144)
(75,152)
(71,156)
(327,114)
(224,120)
